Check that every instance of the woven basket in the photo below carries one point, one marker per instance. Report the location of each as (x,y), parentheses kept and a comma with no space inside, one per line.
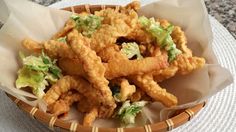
(176,120)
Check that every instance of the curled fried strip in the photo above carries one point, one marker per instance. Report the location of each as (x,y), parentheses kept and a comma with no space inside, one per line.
(62,105)
(62,86)
(95,71)
(180,40)
(147,84)
(90,117)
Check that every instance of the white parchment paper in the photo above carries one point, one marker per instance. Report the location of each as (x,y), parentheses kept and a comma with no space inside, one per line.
(25,19)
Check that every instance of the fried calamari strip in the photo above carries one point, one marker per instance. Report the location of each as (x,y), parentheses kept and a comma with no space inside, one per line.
(180,40)
(53,48)
(90,117)
(94,70)
(120,67)
(62,105)
(147,84)
(62,86)
(187,64)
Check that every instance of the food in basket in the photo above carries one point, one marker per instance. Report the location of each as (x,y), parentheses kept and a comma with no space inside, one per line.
(108,63)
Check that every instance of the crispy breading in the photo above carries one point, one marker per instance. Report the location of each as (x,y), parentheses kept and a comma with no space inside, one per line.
(120,67)
(126,89)
(114,25)
(94,70)
(187,64)
(94,96)
(71,66)
(140,35)
(62,105)
(134,5)
(62,86)
(111,52)
(147,84)
(52,48)
(90,117)
(180,40)
(164,74)
(56,49)
(140,95)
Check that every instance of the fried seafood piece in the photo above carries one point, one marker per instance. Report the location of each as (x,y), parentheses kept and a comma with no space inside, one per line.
(120,67)
(126,89)
(94,96)
(178,37)
(140,35)
(183,64)
(140,95)
(180,40)
(94,70)
(62,105)
(111,52)
(164,74)
(90,117)
(114,25)
(147,84)
(53,48)
(187,64)
(62,86)
(135,5)
(70,24)
(71,66)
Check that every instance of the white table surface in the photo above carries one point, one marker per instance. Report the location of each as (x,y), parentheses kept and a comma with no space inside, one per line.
(219,115)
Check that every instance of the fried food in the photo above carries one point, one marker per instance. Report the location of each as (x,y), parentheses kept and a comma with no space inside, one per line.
(115,25)
(147,84)
(90,117)
(111,52)
(112,46)
(94,70)
(71,66)
(62,105)
(187,64)
(126,89)
(52,48)
(120,68)
(62,86)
